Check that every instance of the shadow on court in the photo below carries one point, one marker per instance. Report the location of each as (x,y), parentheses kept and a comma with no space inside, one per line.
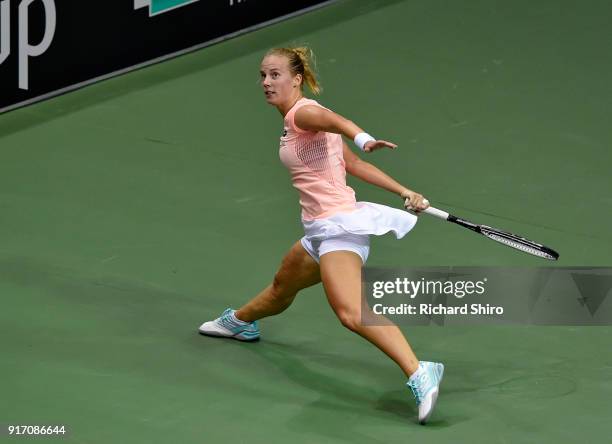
(311,369)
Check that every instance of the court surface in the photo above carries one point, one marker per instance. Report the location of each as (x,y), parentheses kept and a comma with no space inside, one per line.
(135,209)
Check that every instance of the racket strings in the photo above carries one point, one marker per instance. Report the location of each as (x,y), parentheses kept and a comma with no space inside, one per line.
(518,245)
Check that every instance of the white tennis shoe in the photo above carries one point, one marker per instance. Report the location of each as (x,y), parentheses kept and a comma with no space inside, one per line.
(425,385)
(228,326)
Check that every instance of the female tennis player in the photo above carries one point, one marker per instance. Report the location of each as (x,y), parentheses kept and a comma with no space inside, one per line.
(337,228)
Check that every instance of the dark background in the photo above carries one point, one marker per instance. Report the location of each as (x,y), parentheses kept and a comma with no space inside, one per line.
(96,38)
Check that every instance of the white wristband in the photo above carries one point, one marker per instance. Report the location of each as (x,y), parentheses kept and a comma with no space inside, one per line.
(361,139)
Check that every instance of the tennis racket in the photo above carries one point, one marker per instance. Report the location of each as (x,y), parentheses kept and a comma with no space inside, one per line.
(503,237)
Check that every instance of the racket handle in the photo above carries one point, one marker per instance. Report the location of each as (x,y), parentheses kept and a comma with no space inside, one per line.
(435,212)
(432,212)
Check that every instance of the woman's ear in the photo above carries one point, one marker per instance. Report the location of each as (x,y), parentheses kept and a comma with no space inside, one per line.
(297,80)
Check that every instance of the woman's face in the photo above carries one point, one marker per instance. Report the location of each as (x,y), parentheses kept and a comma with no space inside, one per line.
(276,80)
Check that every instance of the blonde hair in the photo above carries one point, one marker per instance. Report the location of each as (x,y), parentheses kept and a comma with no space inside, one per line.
(301,61)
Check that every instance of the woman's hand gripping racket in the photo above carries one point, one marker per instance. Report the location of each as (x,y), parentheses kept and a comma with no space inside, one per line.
(509,239)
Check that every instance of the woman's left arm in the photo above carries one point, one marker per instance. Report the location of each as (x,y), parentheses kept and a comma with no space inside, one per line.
(315,118)
(371,174)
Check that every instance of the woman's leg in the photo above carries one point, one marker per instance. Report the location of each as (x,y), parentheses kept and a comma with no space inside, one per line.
(341,276)
(298,270)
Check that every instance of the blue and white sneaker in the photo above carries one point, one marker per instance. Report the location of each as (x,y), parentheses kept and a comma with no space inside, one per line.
(425,385)
(228,326)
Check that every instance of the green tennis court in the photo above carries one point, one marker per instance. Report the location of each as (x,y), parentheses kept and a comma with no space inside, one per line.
(135,209)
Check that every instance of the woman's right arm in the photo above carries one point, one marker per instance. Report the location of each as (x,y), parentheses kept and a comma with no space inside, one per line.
(316,118)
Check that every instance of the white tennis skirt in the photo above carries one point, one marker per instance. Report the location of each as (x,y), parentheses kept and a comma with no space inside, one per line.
(368,218)
(351,231)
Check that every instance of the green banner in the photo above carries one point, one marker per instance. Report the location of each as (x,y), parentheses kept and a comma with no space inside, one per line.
(158,6)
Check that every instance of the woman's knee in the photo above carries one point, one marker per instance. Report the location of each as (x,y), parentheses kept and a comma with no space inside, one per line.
(296,272)
(281,289)
(349,318)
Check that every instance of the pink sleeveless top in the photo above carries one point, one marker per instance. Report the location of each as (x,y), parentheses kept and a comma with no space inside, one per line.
(317,168)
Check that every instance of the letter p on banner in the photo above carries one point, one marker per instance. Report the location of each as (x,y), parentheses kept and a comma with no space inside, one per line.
(5,30)
(26,50)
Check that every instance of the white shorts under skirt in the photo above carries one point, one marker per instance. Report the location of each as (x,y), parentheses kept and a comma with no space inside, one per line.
(351,231)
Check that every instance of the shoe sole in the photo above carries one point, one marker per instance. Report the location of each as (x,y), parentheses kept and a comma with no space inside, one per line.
(435,399)
(220,335)
(433,406)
